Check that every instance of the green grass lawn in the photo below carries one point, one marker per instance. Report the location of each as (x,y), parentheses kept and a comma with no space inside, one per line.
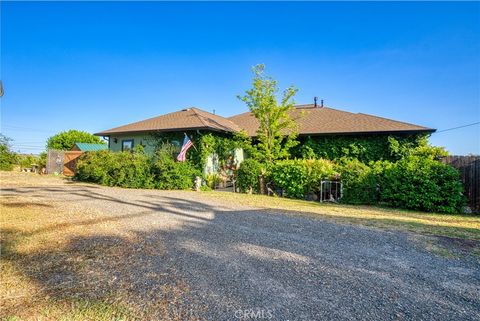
(456,226)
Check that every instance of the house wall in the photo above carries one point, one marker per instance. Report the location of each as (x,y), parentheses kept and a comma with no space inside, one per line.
(211,165)
(144,139)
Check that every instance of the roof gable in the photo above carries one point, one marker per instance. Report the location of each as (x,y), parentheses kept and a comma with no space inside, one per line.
(185,119)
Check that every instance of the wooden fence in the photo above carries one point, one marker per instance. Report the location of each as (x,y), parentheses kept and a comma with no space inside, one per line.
(62,162)
(469,167)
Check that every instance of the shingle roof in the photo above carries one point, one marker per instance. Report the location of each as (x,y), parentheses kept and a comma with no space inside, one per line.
(86,147)
(311,120)
(324,120)
(186,119)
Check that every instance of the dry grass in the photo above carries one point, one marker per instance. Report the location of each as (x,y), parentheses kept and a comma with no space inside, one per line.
(456,226)
(56,267)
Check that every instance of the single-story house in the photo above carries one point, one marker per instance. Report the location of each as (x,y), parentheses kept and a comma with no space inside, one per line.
(312,120)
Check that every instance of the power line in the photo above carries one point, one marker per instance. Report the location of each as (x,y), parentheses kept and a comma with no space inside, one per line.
(28,145)
(463,126)
(13,127)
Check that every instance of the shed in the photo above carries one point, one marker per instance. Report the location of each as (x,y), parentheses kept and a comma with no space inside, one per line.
(87,147)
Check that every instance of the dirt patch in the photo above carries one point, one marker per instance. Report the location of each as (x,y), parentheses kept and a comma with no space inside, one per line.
(462,245)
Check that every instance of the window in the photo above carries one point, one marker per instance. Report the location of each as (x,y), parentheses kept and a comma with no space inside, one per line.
(127,144)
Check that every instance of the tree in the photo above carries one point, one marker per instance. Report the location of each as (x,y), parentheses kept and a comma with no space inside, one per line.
(65,140)
(277,132)
(7,157)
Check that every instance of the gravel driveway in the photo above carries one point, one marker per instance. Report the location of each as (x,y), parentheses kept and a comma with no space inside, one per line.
(248,264)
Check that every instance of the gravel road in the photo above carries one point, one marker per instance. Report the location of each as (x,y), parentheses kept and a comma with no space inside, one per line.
(249,264)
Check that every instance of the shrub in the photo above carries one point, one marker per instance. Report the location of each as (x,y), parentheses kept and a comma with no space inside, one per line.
(299,177)
(132,169)
(318,170)
(359,182)
(170,174)
(248,174)
(7,157)
(422,184)
(95,167)
(205,188)
(124,169)
(291,176)
(212,180)
(26,161)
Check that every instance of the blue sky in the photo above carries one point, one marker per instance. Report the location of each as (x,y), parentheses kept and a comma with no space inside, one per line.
(96,65)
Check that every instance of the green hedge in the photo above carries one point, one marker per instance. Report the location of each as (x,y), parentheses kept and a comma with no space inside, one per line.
(300,177)
(248,175)
(359,181)
(124,169)
(414,182)
(135,170)
(422,184)
(169,174)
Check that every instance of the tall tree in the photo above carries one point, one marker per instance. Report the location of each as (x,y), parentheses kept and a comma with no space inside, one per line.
(66,140)
(277,132)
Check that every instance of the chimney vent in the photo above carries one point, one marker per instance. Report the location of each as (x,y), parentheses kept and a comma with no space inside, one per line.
(315,101)
(321,103)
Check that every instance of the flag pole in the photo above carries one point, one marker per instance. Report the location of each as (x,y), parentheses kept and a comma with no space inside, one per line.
(191,141)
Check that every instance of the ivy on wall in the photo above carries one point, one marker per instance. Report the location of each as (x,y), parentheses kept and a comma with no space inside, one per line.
(205,144)
(364,148)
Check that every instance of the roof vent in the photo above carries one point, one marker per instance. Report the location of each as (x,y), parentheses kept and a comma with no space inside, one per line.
(315,102)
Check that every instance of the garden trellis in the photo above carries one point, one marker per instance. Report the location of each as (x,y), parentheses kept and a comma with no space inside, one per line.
(330,191)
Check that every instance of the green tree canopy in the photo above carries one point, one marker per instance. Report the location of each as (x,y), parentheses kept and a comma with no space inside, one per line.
(277,132)
(65,140)
(7,157)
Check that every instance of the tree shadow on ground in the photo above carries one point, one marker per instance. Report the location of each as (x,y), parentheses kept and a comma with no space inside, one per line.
(210,262)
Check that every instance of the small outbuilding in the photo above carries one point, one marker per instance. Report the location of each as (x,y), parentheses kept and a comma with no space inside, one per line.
(87,147)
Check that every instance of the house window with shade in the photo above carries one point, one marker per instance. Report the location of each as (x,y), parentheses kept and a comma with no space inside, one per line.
(127,145)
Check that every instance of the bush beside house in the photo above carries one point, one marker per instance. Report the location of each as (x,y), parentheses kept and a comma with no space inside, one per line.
(248,175)
(414,182)
(422,184)
(135,170)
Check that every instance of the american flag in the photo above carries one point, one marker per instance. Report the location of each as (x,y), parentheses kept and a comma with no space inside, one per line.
(187,143)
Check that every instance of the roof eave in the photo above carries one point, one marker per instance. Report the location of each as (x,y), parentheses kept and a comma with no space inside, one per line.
(169,130)
(411,131)
(382,132)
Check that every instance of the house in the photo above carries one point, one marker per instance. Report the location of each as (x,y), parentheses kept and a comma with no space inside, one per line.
(314,122)
(184,121)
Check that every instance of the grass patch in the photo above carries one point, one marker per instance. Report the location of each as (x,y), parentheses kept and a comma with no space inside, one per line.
(63,262)
(457,226)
